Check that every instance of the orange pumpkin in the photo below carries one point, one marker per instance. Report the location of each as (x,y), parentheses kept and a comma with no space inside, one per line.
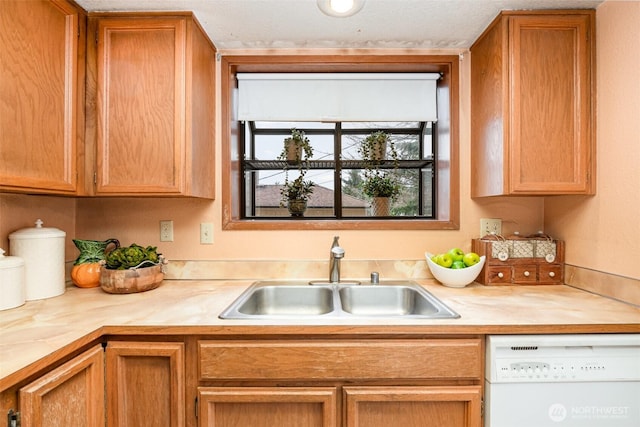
(86,275)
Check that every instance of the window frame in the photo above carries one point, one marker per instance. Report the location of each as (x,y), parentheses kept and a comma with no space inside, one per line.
(447,163)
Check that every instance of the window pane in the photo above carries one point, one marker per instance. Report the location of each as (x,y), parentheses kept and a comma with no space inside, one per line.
(265,174)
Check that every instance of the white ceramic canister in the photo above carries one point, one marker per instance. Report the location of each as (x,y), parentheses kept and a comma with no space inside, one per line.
(42,249)
(12,291)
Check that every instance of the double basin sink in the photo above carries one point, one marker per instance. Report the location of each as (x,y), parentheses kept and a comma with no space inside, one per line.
(282,300)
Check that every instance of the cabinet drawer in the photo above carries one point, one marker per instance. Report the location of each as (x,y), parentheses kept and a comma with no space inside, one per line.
(525,273)
(339,360)
(551,274)
(498,274)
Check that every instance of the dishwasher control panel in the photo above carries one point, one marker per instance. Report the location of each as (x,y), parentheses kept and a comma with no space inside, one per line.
(522,370)
(563,358)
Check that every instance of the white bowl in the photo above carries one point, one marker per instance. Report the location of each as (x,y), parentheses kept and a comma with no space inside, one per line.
(452,277)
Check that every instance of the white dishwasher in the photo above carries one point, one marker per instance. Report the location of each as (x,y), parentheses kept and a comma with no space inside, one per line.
(590,380)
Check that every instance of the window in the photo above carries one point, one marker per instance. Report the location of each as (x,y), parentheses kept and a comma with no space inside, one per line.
(425,169)
(338,170)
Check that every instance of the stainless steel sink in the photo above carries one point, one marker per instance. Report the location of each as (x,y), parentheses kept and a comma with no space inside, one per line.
(390,300)
(276,300)
(287,300)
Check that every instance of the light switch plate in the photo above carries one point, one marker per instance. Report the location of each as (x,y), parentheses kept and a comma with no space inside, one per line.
(490,226)
(206,233)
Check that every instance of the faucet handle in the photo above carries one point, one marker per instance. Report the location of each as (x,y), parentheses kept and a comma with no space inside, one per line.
(337,252)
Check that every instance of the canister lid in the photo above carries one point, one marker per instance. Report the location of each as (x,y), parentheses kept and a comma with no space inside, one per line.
(10,261)
(37,232)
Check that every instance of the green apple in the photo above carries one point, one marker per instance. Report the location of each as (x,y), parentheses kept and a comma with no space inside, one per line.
(445,260)
(456,254)
(471,258)
(458,264)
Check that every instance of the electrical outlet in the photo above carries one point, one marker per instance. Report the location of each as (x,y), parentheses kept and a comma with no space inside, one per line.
(206,233)
(490,226)
(166,231)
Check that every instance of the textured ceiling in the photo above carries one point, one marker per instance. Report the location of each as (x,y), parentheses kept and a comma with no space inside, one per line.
(260,24)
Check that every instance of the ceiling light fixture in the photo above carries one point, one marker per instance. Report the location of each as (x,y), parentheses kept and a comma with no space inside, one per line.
(340,8)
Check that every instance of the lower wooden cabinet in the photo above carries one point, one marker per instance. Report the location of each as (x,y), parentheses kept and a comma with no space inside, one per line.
(145,384)
(267,406)
(70,395)
(378,382)
(294,382)
(367,406)
(450,406)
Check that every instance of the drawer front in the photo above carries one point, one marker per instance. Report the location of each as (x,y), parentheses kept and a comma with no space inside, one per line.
(525,273)
(551,274)
(499,274)
(340,360)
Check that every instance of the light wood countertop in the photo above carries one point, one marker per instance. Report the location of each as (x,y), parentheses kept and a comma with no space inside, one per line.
(42,331)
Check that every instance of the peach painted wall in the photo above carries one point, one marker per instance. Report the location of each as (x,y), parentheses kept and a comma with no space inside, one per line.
(603,232)
(136,219)
(20,211)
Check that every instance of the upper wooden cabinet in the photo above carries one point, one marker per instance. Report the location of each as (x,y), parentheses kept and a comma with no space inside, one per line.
(151,104)
(533,105)
(41,95)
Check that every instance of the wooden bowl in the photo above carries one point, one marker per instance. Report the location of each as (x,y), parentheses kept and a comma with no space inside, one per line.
(131,280)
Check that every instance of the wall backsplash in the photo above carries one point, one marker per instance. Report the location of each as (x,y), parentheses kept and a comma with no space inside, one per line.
(295,269)
(608,285)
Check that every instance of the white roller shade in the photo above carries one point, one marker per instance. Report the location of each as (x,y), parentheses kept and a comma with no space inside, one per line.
(358,97)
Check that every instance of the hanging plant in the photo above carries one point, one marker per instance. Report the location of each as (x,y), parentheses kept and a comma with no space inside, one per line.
(298,150)
(377,182)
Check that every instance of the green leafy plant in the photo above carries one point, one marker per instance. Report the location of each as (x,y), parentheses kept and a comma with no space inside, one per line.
(374,147)
(298,189)
(377,182)
(297,148)
(380,184)
(132,256)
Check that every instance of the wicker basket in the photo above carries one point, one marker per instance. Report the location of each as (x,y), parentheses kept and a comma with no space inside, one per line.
(131,280)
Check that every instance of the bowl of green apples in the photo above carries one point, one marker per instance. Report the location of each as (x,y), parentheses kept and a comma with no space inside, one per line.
(455,268)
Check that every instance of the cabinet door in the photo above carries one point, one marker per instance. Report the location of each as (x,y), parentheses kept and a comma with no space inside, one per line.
(552,112)
(145,384)
(267,407)
(141,105)
(69,396)
(533,105)
(412,406)
(40,92)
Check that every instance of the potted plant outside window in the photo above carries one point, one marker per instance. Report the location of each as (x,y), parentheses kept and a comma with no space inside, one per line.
(297,148)
(295,193)
(374,147)
(380,185)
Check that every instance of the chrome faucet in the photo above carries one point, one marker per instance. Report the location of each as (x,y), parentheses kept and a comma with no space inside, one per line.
(336,254)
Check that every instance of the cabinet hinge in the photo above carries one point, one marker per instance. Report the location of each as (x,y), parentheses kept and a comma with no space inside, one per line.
(13,419)
(482,408)
(95,178)
(196,407)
